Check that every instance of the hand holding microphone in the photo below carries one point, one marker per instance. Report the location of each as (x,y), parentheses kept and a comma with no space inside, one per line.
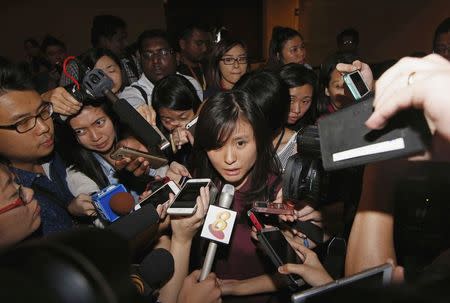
(206,291)
(184,228)
(225,200)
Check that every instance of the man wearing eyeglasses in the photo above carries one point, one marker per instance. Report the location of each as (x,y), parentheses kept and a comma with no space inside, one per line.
(158,61)
(27,142)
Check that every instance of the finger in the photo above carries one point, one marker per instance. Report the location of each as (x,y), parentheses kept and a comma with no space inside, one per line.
(190,137)
(142,168)
(71,99)
(345,68)
(315,216)
(396,78)
(200,208)
(159,210)
(301,250)
(304,211)
(410,96)
(204,194)
(358,64)
(290,268)
(133,165)
(195,275)
(120,164)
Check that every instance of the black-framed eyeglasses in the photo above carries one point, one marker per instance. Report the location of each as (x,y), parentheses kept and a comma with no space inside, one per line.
(20,201)
(160,53)
(232,60)
(29,123)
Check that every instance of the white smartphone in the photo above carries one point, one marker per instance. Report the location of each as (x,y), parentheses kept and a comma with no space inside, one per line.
(191,125)
(337,291)
(185,203)
(159,196)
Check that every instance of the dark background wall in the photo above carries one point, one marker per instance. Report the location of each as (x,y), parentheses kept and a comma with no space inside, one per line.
(388,28)
(70,21)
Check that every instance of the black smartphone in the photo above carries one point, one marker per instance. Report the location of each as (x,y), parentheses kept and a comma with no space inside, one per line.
(310,230)
(280,252)
(356,85)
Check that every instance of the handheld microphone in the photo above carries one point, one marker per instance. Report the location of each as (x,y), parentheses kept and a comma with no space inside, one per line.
(155,270)
(122,203)
(145,220)
(225,200)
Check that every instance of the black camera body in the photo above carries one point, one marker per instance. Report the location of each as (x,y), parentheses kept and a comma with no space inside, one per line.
(92,87)
(304,178)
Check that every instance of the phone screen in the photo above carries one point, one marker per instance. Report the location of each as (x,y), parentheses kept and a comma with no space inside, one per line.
(281,247)
(159,197)
(276,244)
(188,195)
(359,83)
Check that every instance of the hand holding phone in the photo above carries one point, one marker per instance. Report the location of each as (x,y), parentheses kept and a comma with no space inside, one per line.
(191,125)
(185,202)
(273,208)
(156,161)
(159,195)
(181,136)
(280,252)
(185,227)
(355,84)
(310,269)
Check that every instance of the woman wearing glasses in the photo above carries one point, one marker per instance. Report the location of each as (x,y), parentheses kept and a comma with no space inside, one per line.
(20,214)
(227,63)
(286,46)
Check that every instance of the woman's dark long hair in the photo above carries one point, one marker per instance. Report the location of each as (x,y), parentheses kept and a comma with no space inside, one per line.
(279,37)
(326,69)
(175,92)
(271,94)
(77,156)
(91,56)
(217,121)
(295,75)
(213,76)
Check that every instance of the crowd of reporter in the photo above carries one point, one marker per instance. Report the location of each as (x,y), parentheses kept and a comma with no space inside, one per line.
(56,152)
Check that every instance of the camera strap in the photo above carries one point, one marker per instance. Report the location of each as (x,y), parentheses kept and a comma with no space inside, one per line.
(143,93)
(280,139)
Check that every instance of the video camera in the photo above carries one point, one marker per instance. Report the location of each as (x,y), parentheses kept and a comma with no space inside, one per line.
(304,178)
(96,84)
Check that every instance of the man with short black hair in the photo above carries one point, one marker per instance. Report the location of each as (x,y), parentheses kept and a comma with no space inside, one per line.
(194,43)
(27,136)
(109,32)
(158,61)
(54,51)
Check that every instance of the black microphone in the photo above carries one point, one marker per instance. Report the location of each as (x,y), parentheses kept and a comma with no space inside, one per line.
(98,84)
(140,223)
(225,200)
(153,272)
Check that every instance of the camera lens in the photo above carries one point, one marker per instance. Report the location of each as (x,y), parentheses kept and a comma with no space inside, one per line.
(95,79)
